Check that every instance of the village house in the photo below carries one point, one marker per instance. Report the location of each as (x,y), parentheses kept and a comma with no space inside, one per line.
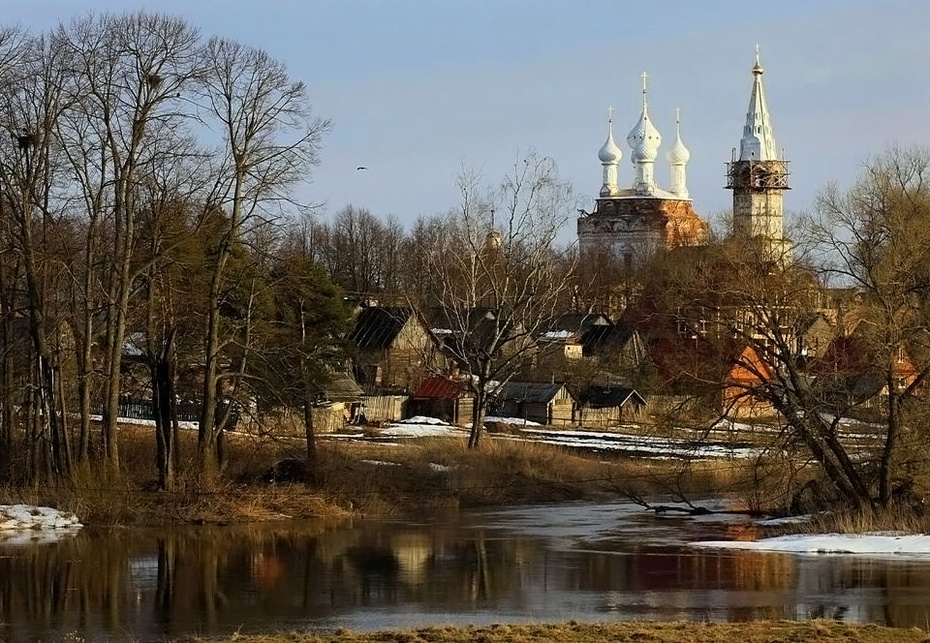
(849,372)
(391,351)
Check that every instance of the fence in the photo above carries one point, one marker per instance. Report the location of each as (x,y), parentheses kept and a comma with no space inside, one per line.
(137,409)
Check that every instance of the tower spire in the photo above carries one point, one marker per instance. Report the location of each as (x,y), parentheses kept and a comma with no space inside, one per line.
(759,177)
(758,142)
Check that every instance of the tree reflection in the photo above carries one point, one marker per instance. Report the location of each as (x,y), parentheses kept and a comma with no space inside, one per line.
(218,580)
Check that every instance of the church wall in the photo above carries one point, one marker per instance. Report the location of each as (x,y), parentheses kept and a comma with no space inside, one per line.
(637,228)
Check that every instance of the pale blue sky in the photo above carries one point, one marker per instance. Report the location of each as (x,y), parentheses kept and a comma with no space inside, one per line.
(417,89)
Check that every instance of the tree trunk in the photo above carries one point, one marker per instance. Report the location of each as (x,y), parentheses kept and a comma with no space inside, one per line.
(313,461)
(478,414)
(891,438)
(163,407)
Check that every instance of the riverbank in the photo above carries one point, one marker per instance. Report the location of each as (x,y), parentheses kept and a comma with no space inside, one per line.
(640,632)
(369,475)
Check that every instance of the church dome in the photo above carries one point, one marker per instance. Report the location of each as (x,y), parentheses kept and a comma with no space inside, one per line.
(610,152)
(679,154)
(644,138)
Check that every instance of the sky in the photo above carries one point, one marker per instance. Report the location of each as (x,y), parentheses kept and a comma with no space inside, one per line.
(420,90)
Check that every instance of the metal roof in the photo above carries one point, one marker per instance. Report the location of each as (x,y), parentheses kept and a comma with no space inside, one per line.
(533,392)
(377,327)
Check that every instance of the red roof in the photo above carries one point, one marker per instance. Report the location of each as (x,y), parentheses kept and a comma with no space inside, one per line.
(439,388)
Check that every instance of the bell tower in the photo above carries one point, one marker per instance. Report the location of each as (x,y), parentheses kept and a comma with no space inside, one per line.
(759,176)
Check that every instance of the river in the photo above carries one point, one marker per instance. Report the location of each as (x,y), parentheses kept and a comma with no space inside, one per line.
(589,562)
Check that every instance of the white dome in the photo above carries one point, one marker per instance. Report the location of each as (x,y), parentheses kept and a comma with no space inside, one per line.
(644,139)
(679,154)
(610,152)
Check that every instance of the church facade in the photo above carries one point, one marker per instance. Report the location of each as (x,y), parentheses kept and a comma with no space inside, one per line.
(635,222)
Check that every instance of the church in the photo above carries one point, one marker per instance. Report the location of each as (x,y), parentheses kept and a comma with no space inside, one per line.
(635,222)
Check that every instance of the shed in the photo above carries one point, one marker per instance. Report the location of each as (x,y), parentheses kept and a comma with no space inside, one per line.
(339,404)
(604,406)
(543,402)
(443,398)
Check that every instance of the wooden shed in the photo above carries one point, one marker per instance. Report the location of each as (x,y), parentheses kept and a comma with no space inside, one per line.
(543,402)
(443,398)
(605,406)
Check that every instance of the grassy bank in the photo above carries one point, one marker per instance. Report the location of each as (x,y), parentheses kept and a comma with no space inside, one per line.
(640,632)
(371,477)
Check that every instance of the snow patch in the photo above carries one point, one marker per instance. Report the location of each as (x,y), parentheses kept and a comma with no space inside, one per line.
(871,544)
(420,427)
(504,420)
(423,419)
(24,524)
(381,463)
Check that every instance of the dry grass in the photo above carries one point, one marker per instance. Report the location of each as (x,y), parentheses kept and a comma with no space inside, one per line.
(860,522)
(371,478)
(642,632)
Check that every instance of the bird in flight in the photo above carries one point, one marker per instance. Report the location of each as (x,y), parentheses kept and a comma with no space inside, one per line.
(361,167)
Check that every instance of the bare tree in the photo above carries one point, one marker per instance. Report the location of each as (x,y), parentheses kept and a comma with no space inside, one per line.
(268,142)
(494,278)
(130,72)
(30,104)
(734,324)
(875,239)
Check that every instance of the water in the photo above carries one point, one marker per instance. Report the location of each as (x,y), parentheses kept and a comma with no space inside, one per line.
(545,563)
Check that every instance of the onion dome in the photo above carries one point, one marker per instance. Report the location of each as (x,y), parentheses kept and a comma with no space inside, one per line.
(677,158)
(610,153)
(679,154)
(644,138)
(610,156)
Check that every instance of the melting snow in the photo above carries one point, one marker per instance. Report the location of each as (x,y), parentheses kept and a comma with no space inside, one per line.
(381,463)
(419,427)
(517,421)
(23,524)
(651,446)
(874,544)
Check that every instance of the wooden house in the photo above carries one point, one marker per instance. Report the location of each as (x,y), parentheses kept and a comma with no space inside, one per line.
(573,335)
(543,402)
(813,334)
(746,373)
(391,350)
(851,373)
(388,346)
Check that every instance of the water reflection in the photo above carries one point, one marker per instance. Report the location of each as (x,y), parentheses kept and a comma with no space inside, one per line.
(600,562)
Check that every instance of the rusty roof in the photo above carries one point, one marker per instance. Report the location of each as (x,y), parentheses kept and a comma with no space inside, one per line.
(437,387)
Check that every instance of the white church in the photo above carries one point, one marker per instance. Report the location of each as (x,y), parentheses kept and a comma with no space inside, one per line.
(635,222)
